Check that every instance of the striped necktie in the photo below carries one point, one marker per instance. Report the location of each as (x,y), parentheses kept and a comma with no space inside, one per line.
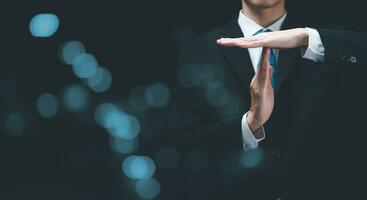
(272,60)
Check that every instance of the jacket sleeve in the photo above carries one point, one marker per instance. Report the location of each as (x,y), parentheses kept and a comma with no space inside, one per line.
(344,47)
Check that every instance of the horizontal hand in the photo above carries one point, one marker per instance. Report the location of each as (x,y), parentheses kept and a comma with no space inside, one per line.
(285,39)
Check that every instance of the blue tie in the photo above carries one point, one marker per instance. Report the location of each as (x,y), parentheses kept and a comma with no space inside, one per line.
(272,60)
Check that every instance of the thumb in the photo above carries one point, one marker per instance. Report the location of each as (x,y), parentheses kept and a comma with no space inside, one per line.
(265,57)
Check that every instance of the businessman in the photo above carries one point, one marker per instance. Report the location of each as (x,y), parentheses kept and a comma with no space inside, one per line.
(284,101)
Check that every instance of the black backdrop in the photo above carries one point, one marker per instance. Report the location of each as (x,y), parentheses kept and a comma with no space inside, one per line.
(69,156)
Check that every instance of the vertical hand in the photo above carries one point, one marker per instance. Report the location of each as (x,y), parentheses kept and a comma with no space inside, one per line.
(262,94)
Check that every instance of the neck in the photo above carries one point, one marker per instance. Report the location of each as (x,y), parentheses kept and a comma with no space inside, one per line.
(263,16)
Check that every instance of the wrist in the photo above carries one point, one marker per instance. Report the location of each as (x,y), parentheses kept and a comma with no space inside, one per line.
(252,122)
(305,34)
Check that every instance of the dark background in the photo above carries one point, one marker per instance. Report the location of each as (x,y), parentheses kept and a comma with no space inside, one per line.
(69,156)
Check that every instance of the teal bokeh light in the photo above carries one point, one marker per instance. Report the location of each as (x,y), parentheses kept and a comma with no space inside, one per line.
(70,50)
(44,25)
(96,79)
(122,125)
(14,125)
(123,146)
(101,81)
(138,167)
(217,96)
(189,75)
(157,95)
(251,159)
(118,123)
(102,110)
(148,188)
(76,97)
(47,105)
(84,65)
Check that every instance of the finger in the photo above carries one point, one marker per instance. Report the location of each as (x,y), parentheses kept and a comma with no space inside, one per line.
(264,66)
(264,60)
(250,42)
(229,41)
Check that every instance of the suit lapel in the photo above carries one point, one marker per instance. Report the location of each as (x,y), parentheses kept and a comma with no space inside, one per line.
(286,57)
(238,58)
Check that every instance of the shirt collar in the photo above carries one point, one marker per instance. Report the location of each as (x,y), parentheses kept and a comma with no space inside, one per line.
(250,27)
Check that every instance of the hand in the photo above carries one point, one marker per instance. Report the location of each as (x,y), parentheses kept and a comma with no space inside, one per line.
(286,39)
(262,94)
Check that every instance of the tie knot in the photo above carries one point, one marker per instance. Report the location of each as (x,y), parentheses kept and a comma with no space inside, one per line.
(264,30)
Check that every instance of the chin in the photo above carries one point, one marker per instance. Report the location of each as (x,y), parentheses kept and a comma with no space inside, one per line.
(263,4)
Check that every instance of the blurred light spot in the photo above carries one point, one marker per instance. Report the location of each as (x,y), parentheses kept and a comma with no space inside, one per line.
(138,167)
(122,125)
(137,98)
(148,188)
(118,123)
(84,65)
(251,159)
(196,160)
(70,50)
(217,96)
(47,105)
(167,157)
(157,95)
(102,110)
(76,97)
(189,75)
(212,75)
(101,81)
(123,146)
(14,125)
(96,78)
(44,25)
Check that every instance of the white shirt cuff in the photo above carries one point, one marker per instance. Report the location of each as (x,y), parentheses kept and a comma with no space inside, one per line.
(251,140)
(315,50)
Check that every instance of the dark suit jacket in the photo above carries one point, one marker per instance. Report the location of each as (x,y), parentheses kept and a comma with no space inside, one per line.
(302,156)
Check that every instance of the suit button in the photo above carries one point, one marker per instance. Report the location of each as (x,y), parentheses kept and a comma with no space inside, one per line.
(353,59)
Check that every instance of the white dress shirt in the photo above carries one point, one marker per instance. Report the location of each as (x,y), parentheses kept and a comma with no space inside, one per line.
(314,51)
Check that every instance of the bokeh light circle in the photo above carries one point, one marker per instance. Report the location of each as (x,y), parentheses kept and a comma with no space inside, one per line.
(116,121)
(84,65)
(47,105)
(44,25)
(96,78)
(189,75)
(100,82)
(76,97)
(138,167)
(102,110)
(122,125)
(148,188)
(70,50)
(14,125)
(157,95)
(217,96)
(123,146)
(251,159)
